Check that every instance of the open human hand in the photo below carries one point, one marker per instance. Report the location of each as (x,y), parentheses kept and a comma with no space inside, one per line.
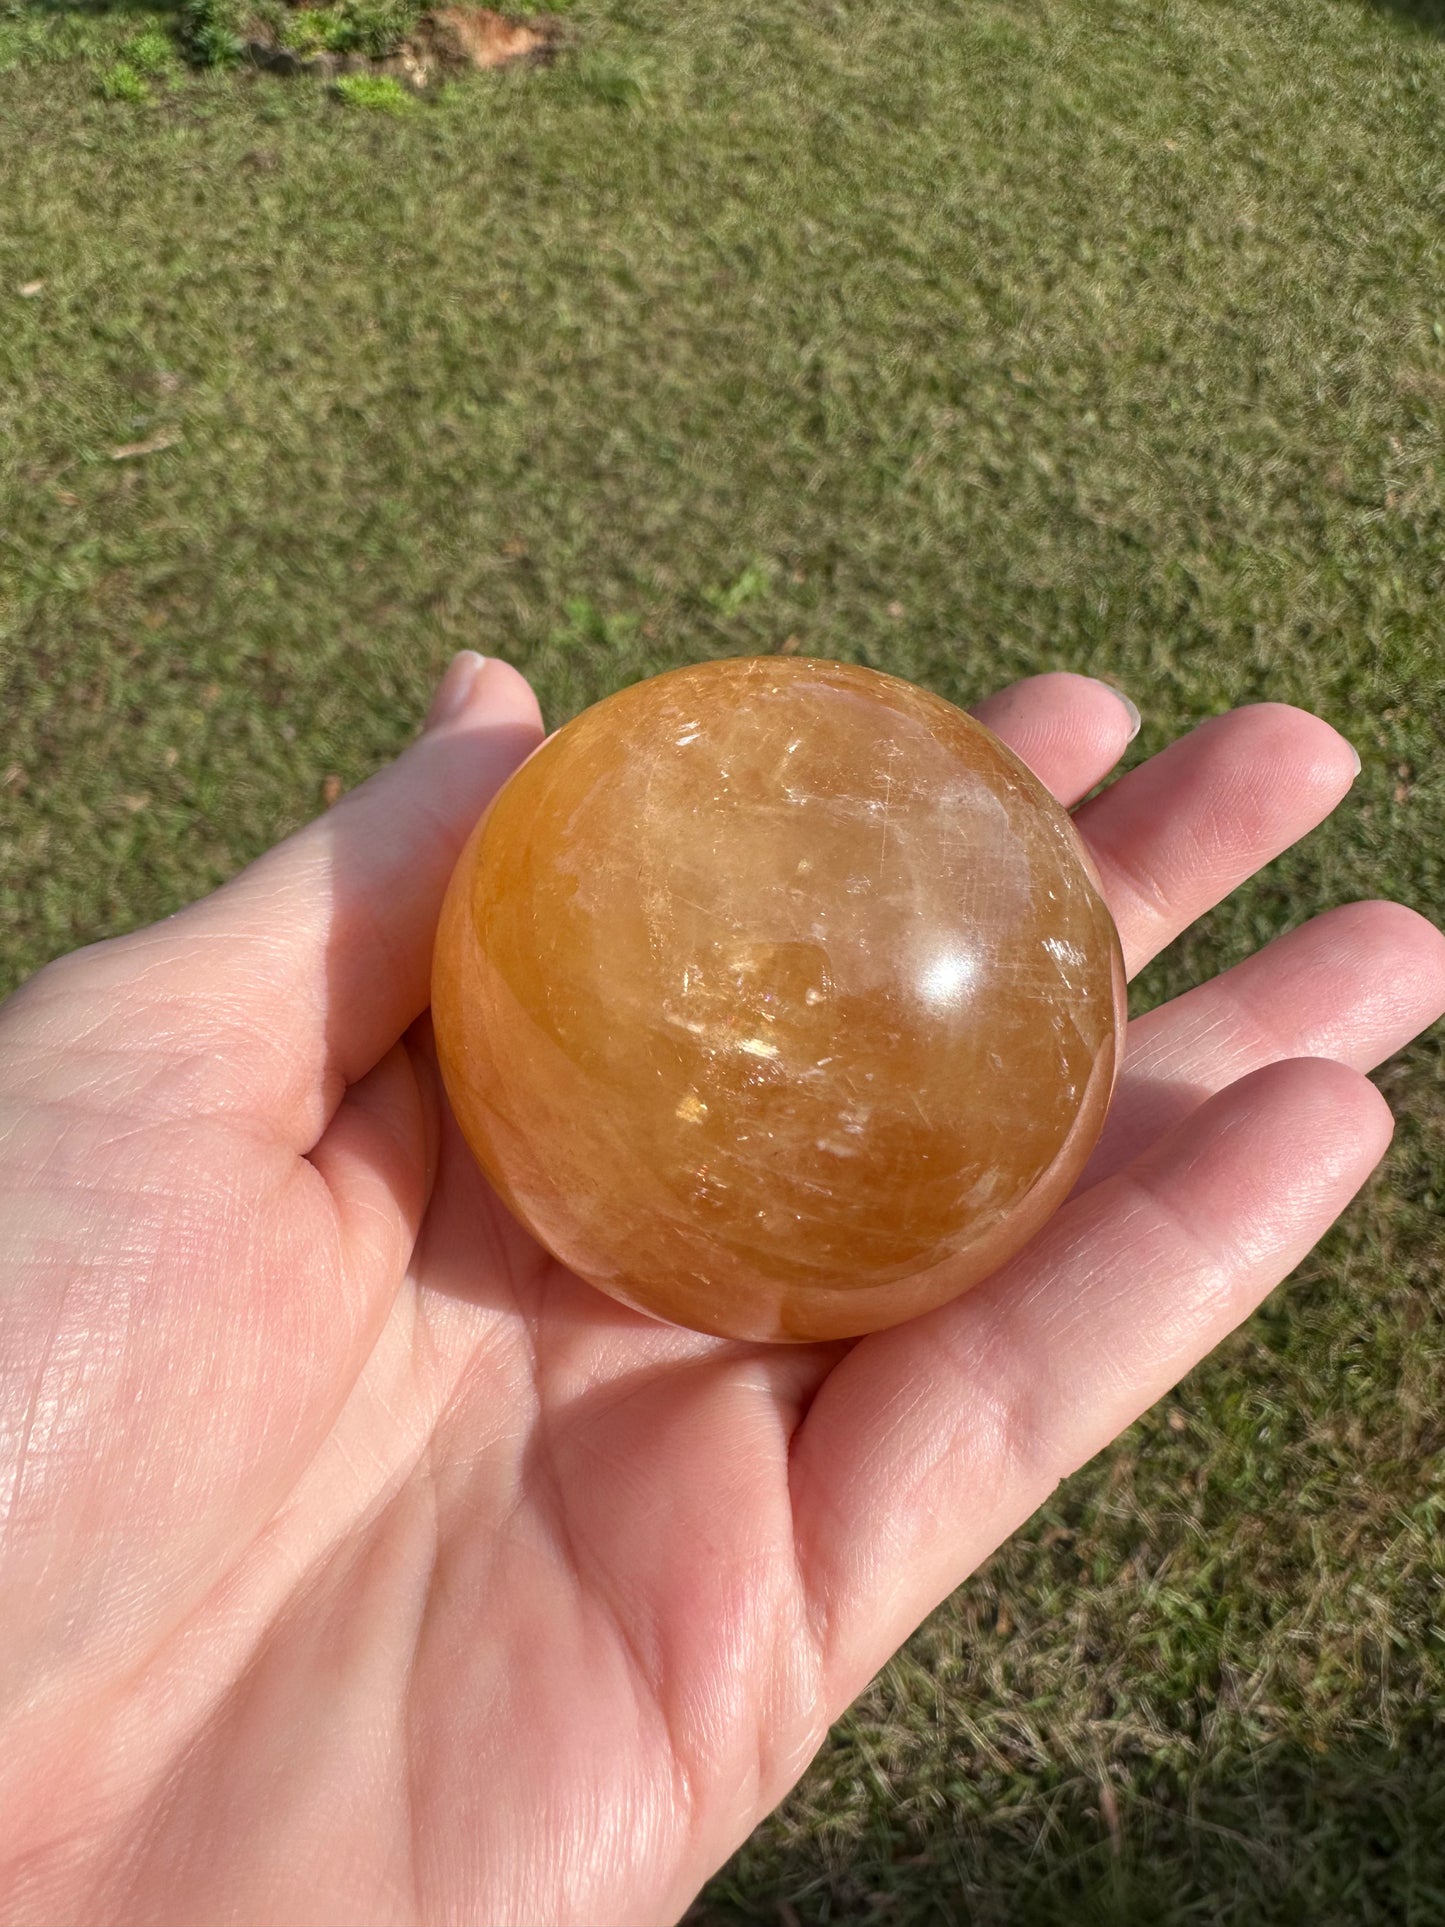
(358,1564)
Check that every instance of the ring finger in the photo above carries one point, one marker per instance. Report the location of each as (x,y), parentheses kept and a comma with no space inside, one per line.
(1355,985)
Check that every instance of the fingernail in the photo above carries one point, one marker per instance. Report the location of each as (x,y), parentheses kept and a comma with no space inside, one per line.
(1356,754)
(454,691)
(1131,709)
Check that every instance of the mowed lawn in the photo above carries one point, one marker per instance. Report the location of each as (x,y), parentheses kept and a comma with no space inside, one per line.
(965,338)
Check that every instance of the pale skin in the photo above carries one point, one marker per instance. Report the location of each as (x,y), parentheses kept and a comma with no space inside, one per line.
(360,1565)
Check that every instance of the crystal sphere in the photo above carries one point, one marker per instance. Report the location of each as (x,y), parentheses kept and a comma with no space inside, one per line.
(777,998)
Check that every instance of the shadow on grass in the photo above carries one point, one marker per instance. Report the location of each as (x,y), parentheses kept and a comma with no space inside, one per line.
(1273,1839)
(98,9)
(1426,15)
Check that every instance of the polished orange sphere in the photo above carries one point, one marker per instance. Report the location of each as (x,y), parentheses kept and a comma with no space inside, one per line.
(777,998)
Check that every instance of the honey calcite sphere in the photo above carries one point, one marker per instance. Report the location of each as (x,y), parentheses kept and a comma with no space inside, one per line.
(777,998)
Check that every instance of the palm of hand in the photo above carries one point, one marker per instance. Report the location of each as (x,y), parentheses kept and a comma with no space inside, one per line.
(359,1563)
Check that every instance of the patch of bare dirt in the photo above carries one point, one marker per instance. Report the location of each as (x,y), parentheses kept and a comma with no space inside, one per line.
(478,37)
(445,40)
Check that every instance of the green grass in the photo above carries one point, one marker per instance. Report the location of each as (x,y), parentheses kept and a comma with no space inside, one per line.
(374,27)
(153,53)
(209,31)
(963,340)
(121,81)
(378,92)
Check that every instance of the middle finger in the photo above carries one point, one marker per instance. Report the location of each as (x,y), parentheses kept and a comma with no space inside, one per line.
(1174,837)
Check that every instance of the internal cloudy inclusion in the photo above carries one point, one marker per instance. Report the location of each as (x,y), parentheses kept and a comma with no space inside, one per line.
(800,978)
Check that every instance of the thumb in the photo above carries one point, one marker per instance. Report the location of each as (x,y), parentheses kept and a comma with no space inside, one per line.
(299,974)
